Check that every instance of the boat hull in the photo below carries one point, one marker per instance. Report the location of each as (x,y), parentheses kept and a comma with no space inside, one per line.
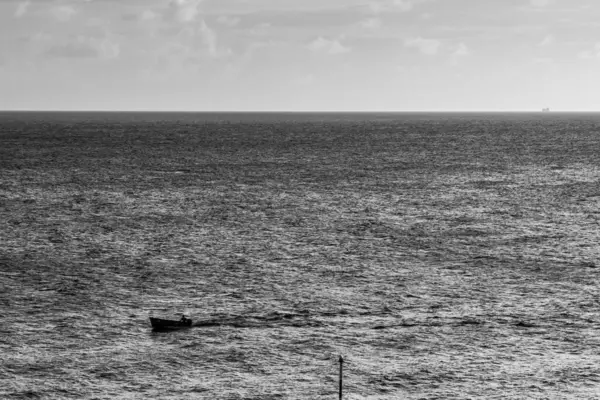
(168,324)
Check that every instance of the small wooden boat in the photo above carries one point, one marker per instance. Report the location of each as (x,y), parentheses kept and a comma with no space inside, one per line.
(167,324)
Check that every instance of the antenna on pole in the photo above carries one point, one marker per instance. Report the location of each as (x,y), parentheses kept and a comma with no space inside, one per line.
(341,360)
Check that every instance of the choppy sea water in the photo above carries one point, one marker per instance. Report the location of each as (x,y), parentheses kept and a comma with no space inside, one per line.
(443,255)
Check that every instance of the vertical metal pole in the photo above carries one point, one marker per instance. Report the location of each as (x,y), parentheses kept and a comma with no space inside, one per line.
(341,375)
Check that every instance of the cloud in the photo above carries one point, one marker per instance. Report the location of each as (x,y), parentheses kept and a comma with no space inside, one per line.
(378,7)
(194,38)
(142,15)
(428,47)
(461,50)
(148,15)
(590,54)
(228,20)
(260,29)
(85,47)
(211,41)
(371,23)
(196,41)
(540,3)
(328,46)
(236,66)
(63,13)
(209,38)
(22,8)
(403,5)
(184,10)
(73,50)
(109,49)
(547,41)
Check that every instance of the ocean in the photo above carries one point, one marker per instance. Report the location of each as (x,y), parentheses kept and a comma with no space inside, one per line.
(443,255)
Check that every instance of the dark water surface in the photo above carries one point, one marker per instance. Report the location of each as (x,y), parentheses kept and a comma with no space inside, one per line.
(443,255)
(270,117)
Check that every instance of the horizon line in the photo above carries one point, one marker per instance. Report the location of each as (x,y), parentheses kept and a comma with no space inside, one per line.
(294,111)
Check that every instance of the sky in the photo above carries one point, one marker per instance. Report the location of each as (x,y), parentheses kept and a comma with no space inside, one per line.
(300,55)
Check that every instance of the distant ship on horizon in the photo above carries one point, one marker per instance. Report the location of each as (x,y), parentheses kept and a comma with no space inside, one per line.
(545,110)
